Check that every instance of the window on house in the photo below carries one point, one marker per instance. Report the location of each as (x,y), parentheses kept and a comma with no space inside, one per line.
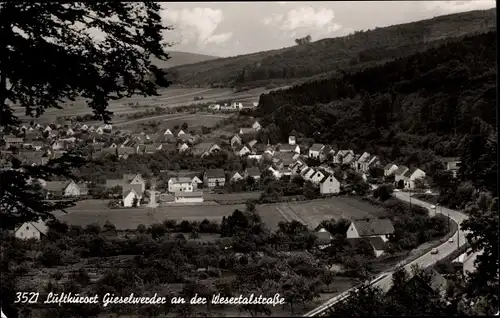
(27,227)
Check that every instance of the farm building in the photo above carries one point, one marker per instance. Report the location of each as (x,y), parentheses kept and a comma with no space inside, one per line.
(31,230)
(371,228)
(188,197)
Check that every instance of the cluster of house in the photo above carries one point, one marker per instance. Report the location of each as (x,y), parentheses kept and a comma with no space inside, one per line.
(233,106)
(375,232)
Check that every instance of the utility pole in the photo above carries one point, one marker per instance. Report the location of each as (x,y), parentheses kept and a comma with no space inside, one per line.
(458,236)
(448,222)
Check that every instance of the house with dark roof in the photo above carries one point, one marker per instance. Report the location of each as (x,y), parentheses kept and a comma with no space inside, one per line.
(289,148)
(205,149)
(131,193)
(390,169)
(253,172)
(343,157)
(125,152)
(214,178)
(315,150)
(235,141)
(64,188)
(370,227)
(242,150)
(409,179)
(31,230)
(399,173)
(324,237)
(452,164)
(377,244)
(329,185)
(247,131)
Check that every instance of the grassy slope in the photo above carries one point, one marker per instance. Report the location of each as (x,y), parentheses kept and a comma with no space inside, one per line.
(182,58)
(362,48)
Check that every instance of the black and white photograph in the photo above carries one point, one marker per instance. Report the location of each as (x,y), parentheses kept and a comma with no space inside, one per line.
(248,159)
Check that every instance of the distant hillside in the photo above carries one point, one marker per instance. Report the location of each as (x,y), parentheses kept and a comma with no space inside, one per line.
(362,49)
(182,58)
(413,110)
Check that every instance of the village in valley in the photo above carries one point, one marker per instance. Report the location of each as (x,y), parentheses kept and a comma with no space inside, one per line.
(353,175)
(324,167)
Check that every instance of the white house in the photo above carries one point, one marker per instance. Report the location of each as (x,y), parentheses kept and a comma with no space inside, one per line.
(188,197)
(129,197)
(452,164)
(411,176)
(292,140)
(236,105)
(99,130)
(256,126)
(181,132)
(329,185)
(315,150)
(214,107)
(236,140)
(399,174)
(370,228)
(308,174)
(235,177)
(317,177)
(180,184)
(168,132)
(361,164)
(390,169)
(31,230)
(243,150)
(339,157)
(183,147)
(197,182)
(214,178)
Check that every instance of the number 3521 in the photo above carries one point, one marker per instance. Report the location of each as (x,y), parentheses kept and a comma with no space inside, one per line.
(26,298)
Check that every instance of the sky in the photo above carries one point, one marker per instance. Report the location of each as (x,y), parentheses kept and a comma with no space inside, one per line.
(233,28)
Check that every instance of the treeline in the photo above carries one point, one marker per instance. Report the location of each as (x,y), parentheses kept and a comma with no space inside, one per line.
(437,103)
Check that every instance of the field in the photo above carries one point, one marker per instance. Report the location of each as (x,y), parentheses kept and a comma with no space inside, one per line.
(310,213)
(171,120)
(169,97)
(313,212)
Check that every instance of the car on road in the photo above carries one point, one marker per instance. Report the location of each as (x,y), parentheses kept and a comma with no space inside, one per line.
(434,251)
(451,240)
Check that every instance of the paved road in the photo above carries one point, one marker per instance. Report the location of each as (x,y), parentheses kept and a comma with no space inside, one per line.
(426,260)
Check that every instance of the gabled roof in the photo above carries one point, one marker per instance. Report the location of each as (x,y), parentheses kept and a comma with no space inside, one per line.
(287,147)
(125,150)
(247,130)
(180,180)
(136,187)
(215,173)
(111,183)
(201,148)
(316,147)
(408,173)
(377,243)
(253,172)
(40,226)
(389,165)
(401,170)
(128,177)
(369,227)
(56,186)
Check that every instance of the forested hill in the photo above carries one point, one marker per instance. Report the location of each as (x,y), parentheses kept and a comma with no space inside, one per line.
(419,106)
(364,48)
